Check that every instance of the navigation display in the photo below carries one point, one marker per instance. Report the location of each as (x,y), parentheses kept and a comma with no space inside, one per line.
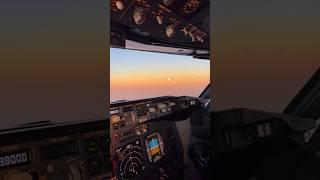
(131,160)
(154,146)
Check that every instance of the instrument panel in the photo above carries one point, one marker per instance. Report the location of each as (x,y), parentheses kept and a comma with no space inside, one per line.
(143,143)
(182,22)
(144,140)
(77,151)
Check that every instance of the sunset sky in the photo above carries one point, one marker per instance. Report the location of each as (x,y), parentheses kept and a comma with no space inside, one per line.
(138,74)
(52,61)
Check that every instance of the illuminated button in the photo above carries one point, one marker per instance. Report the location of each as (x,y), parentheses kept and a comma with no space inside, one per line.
(95,166)
(92,146)
(50,168)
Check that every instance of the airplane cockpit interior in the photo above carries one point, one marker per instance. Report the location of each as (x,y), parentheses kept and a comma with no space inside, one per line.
(155,137)
(164,137)
(172,134)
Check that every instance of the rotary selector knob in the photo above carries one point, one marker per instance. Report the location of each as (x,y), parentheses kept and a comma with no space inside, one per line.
(17,175)
(120,5)
(75,172)
(50,168)
(167,2)
(139,15)
(159,19)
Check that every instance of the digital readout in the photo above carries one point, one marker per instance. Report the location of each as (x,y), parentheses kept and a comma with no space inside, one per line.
(114,111)
(15,158)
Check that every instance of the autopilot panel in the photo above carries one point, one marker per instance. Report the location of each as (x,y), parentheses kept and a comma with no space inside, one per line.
(67,151)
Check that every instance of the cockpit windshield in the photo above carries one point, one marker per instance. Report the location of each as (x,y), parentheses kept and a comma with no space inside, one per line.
(140,74)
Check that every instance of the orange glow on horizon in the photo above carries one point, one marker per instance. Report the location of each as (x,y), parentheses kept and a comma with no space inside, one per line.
(146,75)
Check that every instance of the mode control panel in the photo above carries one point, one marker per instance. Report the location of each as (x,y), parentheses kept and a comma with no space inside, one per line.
(129,119)
(72,152)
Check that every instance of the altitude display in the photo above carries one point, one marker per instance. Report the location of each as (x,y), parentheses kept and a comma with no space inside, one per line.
(154,146)
(131,161)
(15,158)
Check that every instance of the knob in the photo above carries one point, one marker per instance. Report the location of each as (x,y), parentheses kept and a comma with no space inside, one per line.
(139,15)
(75,173)
(170,30)
(120,5)
(50,168)
(17,175)
(159,19)
(167,2)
